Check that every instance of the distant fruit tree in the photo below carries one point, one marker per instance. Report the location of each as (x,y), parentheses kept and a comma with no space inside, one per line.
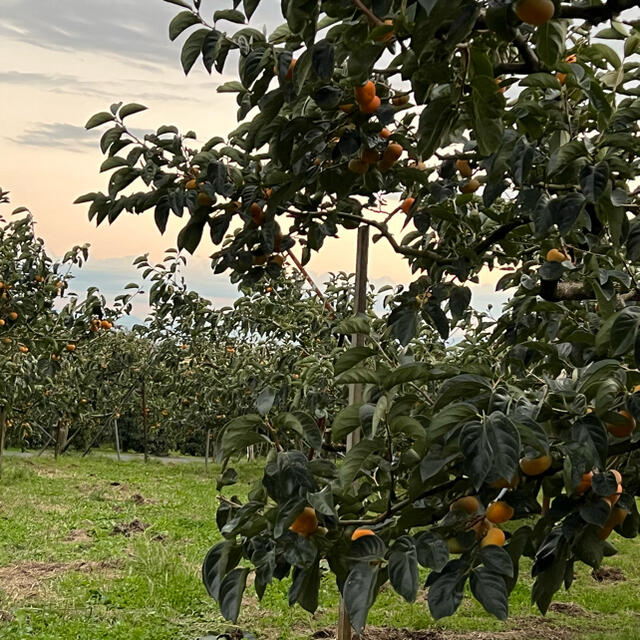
(507,134)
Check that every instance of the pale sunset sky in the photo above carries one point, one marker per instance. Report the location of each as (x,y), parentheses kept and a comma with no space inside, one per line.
(63,61)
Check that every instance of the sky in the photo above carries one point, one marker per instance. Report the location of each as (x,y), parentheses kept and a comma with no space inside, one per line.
(63,61)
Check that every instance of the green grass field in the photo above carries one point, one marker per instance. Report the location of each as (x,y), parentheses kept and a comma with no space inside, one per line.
(91,549)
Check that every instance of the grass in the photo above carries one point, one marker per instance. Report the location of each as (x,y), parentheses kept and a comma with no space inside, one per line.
(64,576)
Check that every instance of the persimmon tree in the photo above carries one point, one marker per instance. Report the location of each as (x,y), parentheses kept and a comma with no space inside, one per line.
(508,146)
(49,336)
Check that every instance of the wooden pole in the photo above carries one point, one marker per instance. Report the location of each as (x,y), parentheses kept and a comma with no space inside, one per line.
(144,420)
(206,450)
(117,437)
(356,391)
(3,434)
(56,446)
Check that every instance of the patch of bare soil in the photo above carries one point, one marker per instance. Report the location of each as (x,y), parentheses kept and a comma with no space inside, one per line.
(127,530)
(608,574)
(531,628)
(6,616)
(139,499)
(28,580)
(78,535)
(567,609)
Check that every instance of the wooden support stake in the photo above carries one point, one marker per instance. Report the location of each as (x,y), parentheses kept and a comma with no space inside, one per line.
(117,437)
(206,450)
(356,390)
(144,421)
(3,434)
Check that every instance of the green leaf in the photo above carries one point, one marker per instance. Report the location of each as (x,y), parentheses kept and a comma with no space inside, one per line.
(403,568)
(240,433)
(233,86)
(497,560)
(112,163)
(180,3)
(359,592)
(98,119)
(130,109)
(310,430)
(549,41)
(588,547)
(191,234)
(466,385)
(451,418)
(565,155)
(593,180)
(490,591)
(487,113)
(230,15)
(446,588)
(265,400)
(358,375)
(549,569)
(250,6)
(432,550)
(356,459)
(409,372)
(353,325)
(543,80)
(490,445)
(435,123)
(459,300)
(305,586)
(231,591)
(624,330)
(351,358)
(219,560)
(345,422)
(322,501)
(404,324)
(410,427)
(182,21)
(192,49)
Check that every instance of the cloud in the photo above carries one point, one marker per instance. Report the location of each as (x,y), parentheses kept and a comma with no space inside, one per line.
(120,28)
(131,29)
(63,136)
(143,89)
(58,135)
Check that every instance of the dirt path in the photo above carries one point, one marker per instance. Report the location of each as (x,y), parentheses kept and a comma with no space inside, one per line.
(125,457)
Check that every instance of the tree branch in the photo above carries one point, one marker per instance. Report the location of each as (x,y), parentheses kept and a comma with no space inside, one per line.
(499,234)
(401,505)
(405,251)
(598,13)
(367,12)
(575,291)
(528,56)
